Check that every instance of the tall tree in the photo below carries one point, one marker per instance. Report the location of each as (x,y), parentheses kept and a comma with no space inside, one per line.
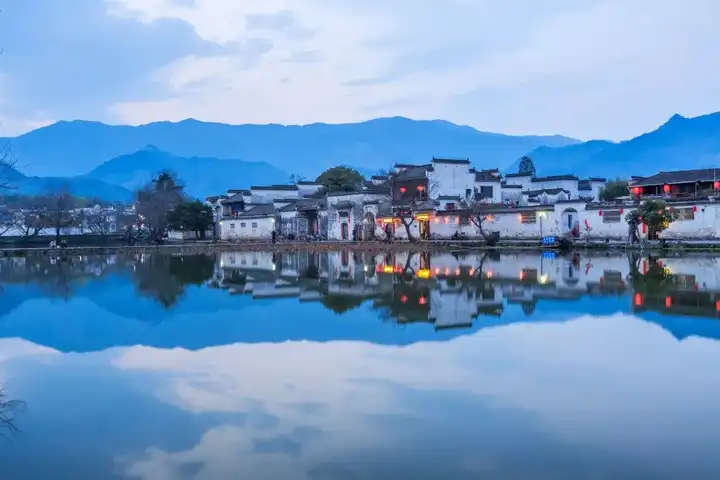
(340,179)
(194,216)
(7,169)
(59,212)
(155,201)
(526,165)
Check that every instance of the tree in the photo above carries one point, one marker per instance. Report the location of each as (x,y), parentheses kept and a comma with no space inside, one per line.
(404,208)
(340,179)
(526,165)
(296,178)
(7,169)
(479,215)
(98,220)
(29,217)
(194,216)
(59,212)
(155,201)
(653,213)
(614,189)
(8,414)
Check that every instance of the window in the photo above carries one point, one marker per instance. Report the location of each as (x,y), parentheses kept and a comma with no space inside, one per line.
(680,214)
(611,216)
(242,225)
(486,192)
(254,224)
(232,225)
(450,206)
(468,193)
(528,217)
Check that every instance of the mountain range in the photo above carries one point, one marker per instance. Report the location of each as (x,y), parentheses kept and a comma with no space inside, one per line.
(92,157)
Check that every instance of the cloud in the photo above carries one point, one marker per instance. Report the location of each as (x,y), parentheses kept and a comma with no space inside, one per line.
(587,68)
(579,390)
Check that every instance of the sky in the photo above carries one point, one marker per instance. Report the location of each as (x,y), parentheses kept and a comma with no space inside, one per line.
(584,68)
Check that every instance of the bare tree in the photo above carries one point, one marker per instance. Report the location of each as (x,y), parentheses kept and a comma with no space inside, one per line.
(59,212)
(8,413)
(407,203)
(98,220)
(7,169)
(31,219)
(155,201)
(479,215)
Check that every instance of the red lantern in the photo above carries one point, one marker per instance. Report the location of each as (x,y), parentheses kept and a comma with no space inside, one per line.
(403,189)
(638,300)
(717,185)
(404,299)
(694,208)
(600,213)
(666,188)
(420,188)
(668,302)
(636,190)
(621,211)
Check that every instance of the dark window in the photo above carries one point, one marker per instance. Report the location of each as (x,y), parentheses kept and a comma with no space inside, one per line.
(450,206)
(468,193)
(611,216)
(486,192)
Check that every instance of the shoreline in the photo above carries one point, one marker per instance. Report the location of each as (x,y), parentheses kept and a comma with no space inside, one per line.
(379,247)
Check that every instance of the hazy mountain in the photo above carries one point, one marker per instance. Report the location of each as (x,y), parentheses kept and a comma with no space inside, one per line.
(74,148)
(81,186)
(202,176)
(679,144)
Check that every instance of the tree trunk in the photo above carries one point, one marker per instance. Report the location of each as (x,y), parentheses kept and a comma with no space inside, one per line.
(407,226)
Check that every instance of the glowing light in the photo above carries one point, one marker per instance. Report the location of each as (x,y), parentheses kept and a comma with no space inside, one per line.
(420,188)
(437,271)
(437,220)
(447,220)
(489,274)
(668,302)
(666,188)
(387,220)
(638,300)
(422,300)
(457,271)
(388,269)
(447,271)
(472,272)
(543,279)
(423,273)
(403,189)
(422,216)
(522,275)
(404,299)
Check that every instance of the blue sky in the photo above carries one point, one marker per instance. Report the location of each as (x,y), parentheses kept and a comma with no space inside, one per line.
(584,68)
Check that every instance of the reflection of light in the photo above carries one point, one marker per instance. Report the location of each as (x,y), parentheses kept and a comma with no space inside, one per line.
(437,271)
(668,302)
(472,272)
(274,267)
(522,275)
(489,274)
(457,271)
(638,299)
(423,273)
(388,269)
(543,279)
(404,299)
(717,305)
(447,271)
(422,300)
(365,268)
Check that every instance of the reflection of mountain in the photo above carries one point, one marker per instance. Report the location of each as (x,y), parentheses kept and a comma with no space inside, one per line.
(167,302)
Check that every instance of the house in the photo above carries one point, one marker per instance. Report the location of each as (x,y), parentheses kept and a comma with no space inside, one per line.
(680,183)
(257,222)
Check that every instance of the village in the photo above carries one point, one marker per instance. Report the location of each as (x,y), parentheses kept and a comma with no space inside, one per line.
(448,198)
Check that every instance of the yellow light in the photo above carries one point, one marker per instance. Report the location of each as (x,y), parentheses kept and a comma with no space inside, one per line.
(388,269)
(489,274)
(422,216)
(423,273)
(387,220)
(543,279)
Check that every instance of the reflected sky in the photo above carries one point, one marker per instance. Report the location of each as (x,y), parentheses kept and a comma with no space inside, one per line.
(587,388)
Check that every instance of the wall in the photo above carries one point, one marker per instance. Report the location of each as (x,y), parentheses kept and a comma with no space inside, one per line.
(569,185)
(511,195)
(306,190)
(524,180)
(451,179)
(497,191)
(235,230)
(267,196)
(706,223)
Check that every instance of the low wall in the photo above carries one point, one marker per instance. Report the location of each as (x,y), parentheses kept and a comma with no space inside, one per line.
(43,241)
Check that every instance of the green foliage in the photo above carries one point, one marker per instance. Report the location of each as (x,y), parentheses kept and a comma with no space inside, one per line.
(155,202)
(526,165)
(614,189)
(653,213)
(192,216)
(340,179)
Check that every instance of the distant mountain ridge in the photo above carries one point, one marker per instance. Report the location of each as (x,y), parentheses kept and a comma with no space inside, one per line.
(80,186)
(681,143)
(76,147)
(202,176)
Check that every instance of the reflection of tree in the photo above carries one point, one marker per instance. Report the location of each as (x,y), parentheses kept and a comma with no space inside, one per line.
(8,412)
(655,279)
(341,303)
(164,277)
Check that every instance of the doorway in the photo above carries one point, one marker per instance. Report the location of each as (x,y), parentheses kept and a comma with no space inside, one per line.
(424,227)
(344,231)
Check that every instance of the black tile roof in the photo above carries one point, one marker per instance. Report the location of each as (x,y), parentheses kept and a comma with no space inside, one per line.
(486,176)
(680,176)
(415,172)
(275,187)
(450,197)
(519,174)
(263,210)
(344,205)
(554,178)
(510,185)
(237,198)
(457,161)
(549,191)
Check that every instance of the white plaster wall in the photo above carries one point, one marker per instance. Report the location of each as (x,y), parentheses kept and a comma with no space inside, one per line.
(234,229)
(497,191)
(511,195)
(451,179)
(525,181)
(307,190)
(705,225)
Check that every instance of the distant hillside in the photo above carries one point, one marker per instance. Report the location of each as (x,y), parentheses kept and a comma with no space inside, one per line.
(74,148)
(202,176)
(78,186)
(681,143)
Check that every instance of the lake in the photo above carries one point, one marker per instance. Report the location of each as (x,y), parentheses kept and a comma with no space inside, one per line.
(345,365)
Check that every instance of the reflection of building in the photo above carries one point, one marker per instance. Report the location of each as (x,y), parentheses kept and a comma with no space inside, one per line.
(454,290)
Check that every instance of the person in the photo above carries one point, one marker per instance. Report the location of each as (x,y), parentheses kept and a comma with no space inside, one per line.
(274,236)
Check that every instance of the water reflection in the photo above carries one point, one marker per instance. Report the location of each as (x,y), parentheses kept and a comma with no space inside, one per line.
(342,365)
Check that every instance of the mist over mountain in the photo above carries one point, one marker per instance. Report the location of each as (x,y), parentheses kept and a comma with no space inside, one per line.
(76,147)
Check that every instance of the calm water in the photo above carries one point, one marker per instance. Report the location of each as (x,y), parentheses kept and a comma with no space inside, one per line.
(346,366)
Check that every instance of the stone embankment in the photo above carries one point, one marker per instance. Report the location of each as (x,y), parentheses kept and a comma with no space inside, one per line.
(370,247)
